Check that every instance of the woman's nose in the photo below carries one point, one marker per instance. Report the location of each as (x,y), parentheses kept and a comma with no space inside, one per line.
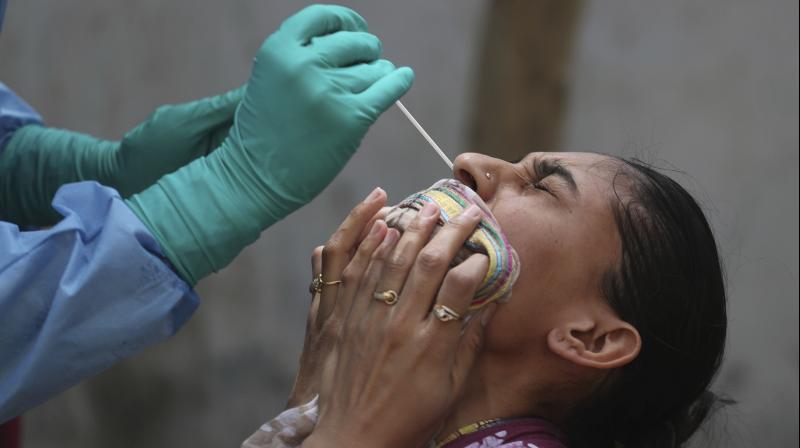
(480,172)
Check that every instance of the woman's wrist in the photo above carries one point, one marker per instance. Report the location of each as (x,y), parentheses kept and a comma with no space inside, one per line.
(316,440)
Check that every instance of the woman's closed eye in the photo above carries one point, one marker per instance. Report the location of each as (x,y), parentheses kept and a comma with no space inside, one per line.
(545,169)
(540,185)
(538,171)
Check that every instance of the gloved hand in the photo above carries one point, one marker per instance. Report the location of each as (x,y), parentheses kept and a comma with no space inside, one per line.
(38,160)
(172,136)
(316,86)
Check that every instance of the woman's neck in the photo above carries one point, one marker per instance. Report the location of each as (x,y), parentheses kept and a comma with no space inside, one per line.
(495,389)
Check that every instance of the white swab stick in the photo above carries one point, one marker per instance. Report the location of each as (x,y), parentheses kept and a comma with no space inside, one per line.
(425,134)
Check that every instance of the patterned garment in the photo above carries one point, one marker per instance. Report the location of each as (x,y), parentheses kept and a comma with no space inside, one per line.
(287,430)
(292,426)
(512,433)
(453,197)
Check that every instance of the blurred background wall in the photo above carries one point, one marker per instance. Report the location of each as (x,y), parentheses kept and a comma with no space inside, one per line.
(707,88)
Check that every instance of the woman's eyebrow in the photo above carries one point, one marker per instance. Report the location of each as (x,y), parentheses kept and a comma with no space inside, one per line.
(554,167)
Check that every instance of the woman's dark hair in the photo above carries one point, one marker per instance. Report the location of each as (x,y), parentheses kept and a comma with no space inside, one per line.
(669,285)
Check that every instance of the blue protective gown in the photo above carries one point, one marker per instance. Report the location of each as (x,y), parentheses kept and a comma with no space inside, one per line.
(80,296)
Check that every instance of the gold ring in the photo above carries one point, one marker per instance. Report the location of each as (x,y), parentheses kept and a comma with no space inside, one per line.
(445,313)
(388,297)
(318,283)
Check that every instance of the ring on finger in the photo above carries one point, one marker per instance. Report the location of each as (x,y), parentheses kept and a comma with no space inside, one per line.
(388,297)
(318,283)
(444,313)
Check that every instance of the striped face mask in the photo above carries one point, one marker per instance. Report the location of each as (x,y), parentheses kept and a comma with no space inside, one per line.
(453,198)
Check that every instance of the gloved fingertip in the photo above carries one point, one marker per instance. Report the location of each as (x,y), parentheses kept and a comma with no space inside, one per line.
(389,89)
(404,79)
(386,65)
(408,74)
(359,22)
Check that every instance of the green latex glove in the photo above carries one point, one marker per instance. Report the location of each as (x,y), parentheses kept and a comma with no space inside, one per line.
(38,160)
(316,87)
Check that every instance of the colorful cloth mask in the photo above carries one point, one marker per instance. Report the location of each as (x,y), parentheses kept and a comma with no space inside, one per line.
(453,198)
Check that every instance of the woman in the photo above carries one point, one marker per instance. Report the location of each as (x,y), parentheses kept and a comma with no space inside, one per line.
(614,332)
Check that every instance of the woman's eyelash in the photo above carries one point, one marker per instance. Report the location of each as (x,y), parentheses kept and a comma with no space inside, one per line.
(540,186)
(542,169)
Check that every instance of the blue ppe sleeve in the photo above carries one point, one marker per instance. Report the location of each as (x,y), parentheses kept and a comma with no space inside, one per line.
(14,114)
(80,296)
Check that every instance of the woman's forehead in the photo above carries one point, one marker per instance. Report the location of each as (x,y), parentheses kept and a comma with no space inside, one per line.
(577,159)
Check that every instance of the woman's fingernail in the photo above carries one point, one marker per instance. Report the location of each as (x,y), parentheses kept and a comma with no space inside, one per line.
(487,314)
(374,195)
(472,212)
(430,210)
(376,227)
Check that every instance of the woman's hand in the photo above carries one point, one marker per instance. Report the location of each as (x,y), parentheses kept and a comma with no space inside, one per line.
(320,339)
(396,369)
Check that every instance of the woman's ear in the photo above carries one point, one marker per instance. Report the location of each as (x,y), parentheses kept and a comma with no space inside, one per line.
(603,341)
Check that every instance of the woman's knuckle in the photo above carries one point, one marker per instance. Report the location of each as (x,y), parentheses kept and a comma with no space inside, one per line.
(349,275)
(458,279)
(431,259)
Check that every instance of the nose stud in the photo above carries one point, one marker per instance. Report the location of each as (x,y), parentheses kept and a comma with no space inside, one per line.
(489,175)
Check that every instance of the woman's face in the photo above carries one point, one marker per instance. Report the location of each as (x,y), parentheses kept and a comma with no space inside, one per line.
(556,209)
